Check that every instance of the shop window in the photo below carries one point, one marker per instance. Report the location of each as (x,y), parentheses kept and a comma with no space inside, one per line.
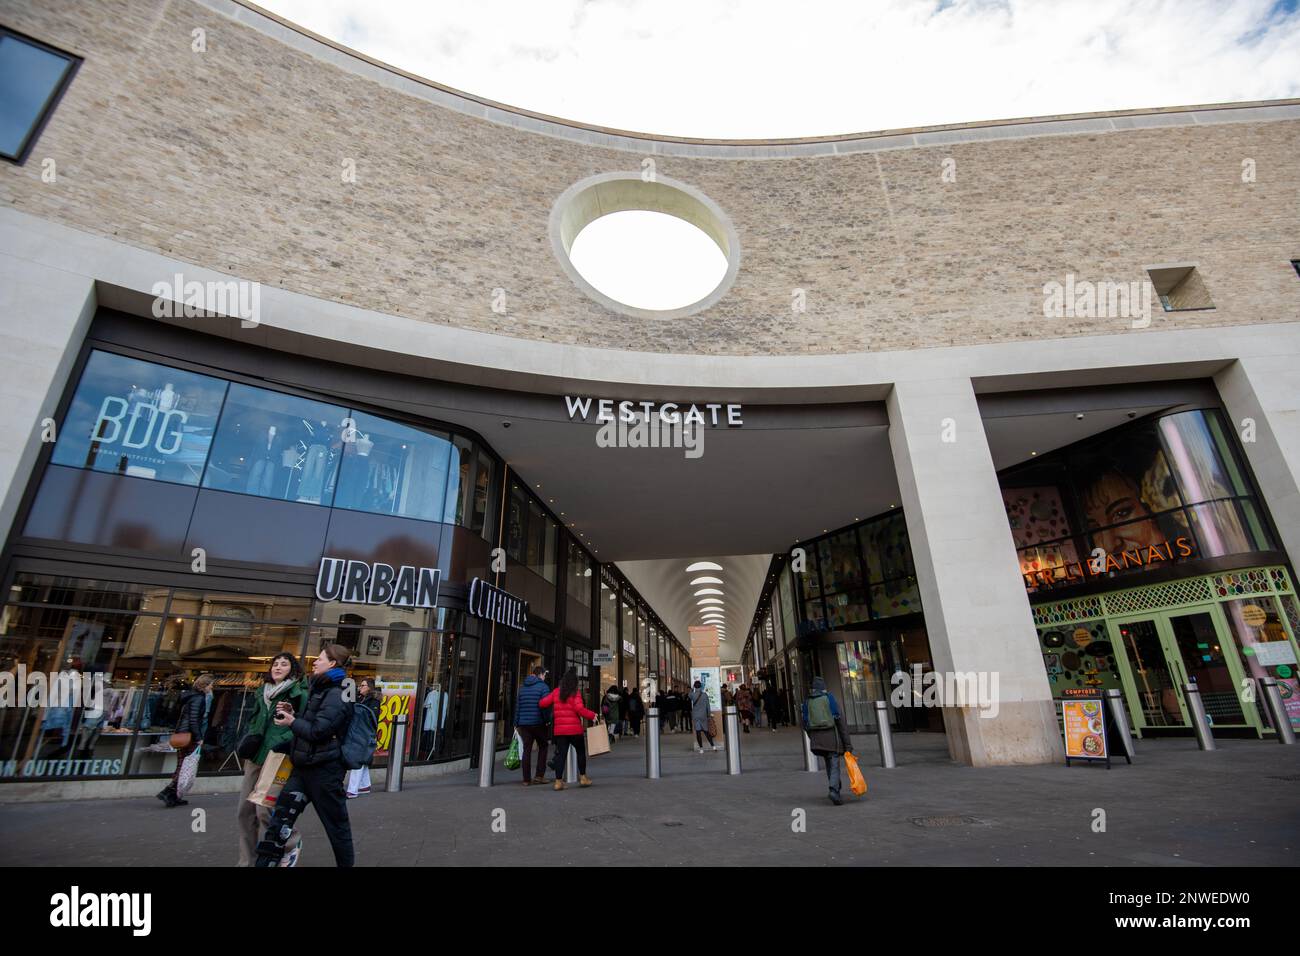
(393,469)
(140,419)
(516,520)
(1180,288)
(276,446)
(460,487)
(483,501)
(81,593)
(32,78)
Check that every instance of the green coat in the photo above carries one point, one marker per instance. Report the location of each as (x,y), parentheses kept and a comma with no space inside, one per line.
(261,722)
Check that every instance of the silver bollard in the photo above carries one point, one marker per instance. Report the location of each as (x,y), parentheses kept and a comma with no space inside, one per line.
(731,724)
(652,767)
(571,765)
(1277,711)
(886,735)
(396,756)
(1200,723)
(487,750)
(1115,702)
(809,758)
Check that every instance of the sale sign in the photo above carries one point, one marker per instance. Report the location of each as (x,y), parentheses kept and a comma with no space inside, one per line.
(399,698)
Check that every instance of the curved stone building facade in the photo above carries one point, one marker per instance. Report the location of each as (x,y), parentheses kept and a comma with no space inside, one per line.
(908,314)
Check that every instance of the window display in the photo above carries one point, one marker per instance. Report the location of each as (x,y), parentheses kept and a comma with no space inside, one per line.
(394,469)
(277,446)
(140,419)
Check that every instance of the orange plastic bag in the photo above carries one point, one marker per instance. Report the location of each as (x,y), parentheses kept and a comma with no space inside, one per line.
(857,782)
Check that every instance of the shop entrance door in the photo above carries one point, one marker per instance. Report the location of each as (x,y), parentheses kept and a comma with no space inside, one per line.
(1160,653)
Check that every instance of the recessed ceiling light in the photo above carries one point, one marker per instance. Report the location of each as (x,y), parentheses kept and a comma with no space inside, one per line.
(703,566)
(710,601)
(706,580)
(705,591)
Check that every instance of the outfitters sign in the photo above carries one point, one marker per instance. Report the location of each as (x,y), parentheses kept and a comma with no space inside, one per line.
(493,604)
(355,582)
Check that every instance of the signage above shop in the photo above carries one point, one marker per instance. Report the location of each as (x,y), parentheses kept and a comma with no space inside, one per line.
(1075,572)
(668,412)
(355,582)
(493,604)
(602,658)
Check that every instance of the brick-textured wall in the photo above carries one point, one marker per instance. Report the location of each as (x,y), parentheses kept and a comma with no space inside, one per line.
(232,159)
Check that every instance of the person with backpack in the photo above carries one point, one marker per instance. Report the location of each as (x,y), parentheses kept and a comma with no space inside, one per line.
(284,681)
(770,706)
(827,733)
(611,707)
(327,723)
(192,723)
(367,696)
(569,732)
(699,701)
(531,723)
(635,711)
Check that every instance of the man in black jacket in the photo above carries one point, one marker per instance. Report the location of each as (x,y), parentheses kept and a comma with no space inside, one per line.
(316,752)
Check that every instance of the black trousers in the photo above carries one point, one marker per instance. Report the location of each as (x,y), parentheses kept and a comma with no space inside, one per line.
(562,744)
(323,787)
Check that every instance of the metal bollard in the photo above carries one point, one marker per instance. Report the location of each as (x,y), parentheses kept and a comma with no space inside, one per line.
(1277,711)
(1200,723)
(886,735)
(571,765)
(652,768)
(396,756)
(1115,702)
(731,723)
(809,758)
(487,750)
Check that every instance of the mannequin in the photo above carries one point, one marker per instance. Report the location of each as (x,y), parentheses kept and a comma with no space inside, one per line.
(265,459)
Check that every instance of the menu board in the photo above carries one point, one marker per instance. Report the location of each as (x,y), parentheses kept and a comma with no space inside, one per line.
(1085,730)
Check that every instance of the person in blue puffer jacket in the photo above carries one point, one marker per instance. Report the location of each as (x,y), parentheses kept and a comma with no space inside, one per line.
(531,723)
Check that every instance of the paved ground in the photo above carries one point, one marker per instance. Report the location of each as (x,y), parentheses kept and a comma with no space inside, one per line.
(1174,806)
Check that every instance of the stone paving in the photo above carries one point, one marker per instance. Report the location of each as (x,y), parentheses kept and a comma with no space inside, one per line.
(1174,806)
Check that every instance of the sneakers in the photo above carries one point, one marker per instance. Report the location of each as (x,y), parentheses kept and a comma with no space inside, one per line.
(291,858)
(528,783)
(584,780)
(559,785)
(699,749)
(837,799)
(352,796)
(715,746)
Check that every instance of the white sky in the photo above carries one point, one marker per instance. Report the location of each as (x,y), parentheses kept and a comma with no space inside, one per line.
(783,68)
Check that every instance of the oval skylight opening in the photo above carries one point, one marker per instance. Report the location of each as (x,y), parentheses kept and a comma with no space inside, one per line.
(648,260)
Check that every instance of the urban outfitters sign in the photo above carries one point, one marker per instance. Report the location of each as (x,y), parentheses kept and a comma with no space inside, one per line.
(493,604)
(356,582)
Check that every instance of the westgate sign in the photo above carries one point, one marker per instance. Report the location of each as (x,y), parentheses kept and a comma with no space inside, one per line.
(493,604)
(355,582)
(670,413)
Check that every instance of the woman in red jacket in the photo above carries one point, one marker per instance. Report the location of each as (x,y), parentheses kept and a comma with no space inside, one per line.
(568,731)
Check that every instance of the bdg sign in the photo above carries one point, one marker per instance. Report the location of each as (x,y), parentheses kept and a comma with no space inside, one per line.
(355,582)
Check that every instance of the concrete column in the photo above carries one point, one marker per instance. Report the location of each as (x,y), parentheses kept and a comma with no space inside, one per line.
(1262,398)
(976,611)
(44,314)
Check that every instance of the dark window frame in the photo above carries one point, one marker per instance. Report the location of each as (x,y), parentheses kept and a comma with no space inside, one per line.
(51,102)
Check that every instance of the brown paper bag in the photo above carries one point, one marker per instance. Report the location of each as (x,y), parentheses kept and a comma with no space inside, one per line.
(275,772)
(597,740)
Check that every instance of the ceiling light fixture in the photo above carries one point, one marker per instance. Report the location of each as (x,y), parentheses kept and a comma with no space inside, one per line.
(706,580)
(703,566)
(703,601)
(704,592)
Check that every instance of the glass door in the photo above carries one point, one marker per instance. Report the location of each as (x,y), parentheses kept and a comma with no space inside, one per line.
(1203,658)
(1152,688)
(861,672)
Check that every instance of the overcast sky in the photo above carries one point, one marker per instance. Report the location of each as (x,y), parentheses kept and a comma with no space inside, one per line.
(764,69)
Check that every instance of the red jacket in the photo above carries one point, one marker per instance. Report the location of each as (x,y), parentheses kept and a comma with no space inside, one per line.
(568,713)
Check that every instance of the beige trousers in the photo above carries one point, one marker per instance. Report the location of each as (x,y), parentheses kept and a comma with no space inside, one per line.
(252,819)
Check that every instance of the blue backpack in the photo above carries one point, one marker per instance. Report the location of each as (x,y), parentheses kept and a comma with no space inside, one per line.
(359,741)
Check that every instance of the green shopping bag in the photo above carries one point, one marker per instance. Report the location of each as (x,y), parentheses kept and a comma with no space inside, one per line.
(512,755)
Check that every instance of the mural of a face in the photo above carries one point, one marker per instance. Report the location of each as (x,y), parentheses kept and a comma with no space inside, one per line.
(1112,499)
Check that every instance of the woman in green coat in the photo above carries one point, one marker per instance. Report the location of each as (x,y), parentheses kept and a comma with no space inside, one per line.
(284,682)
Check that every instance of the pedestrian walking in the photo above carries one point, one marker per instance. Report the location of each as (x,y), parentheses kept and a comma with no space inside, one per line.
(316,751)
(187,736)
(827,732)
(745,705)
(569,713)
(612,707)
(627,706)
(700,718)
(531,724)
(283,681)
(358,781)
(758,708)
(635,711)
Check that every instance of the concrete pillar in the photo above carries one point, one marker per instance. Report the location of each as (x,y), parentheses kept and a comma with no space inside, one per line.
(1262,398)
(44,314)
(976,610)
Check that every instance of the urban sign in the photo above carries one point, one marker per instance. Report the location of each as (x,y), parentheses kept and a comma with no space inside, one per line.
(356,582)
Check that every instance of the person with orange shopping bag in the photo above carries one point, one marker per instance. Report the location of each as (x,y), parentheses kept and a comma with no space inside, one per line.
(827,733)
